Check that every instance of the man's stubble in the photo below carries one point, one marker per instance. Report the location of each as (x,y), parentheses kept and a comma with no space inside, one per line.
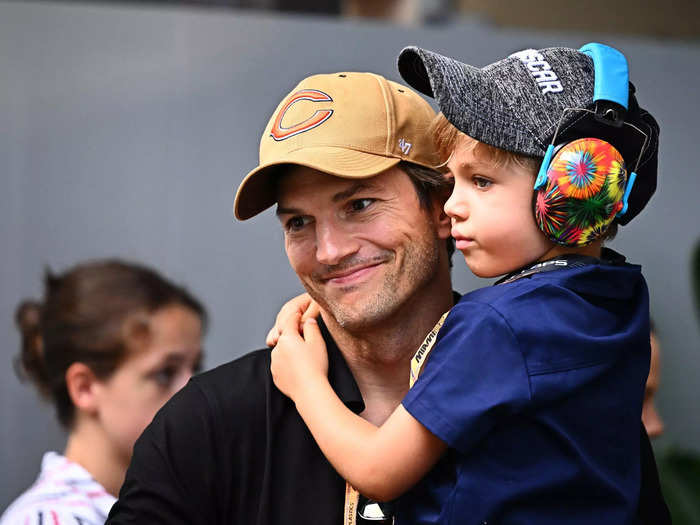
(416,270)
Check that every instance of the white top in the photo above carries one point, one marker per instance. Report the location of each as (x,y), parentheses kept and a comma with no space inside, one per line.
(63,494)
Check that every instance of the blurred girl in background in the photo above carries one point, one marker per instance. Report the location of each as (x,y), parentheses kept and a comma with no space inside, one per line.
(650,415)
(108,346)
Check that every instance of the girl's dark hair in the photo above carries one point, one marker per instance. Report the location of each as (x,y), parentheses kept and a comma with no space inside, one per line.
(93,313)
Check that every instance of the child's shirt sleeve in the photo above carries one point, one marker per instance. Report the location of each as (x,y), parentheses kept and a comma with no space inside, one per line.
(474,376)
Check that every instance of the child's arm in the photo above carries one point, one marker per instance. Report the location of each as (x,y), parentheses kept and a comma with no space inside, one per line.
(300,304)
(381,462)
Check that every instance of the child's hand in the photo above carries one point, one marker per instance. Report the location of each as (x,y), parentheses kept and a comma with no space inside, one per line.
(302,304)
(299,360)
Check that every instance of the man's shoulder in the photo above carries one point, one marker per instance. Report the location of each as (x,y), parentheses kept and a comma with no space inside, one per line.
(233,390)
(253,366)
(240,381)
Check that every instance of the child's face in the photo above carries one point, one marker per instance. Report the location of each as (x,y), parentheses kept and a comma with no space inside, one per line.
(493,221)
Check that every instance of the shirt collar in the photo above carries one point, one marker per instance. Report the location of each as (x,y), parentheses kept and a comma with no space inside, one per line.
(339,375)
(567,260)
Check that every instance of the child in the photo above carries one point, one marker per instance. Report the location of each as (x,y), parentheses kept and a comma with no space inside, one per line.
(534,386)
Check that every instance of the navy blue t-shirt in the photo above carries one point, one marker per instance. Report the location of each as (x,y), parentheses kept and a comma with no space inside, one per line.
(536,386)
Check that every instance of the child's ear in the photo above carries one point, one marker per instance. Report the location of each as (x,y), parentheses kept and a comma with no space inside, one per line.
(82,383)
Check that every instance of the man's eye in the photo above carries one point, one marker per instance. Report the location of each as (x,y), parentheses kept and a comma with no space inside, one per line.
(360,204)
(296,223)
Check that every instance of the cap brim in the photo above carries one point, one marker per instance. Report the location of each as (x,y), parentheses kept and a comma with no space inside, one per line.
(458,88)
(436,75)
(258,190)
(412,69)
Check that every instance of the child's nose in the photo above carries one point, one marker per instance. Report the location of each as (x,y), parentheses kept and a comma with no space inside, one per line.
(455,207)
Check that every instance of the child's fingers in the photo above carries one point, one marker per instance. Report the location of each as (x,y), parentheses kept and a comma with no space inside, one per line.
(311,331)
(290,324)
(312,311)
(275,368)
(303,301)
(315,351)
(296,306)
(272,336)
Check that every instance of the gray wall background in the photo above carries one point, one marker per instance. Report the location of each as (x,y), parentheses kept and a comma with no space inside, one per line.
(124,132)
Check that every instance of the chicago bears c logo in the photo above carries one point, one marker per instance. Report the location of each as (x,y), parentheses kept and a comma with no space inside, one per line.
(279,132)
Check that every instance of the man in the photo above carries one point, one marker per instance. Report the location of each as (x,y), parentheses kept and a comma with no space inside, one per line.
(349,162)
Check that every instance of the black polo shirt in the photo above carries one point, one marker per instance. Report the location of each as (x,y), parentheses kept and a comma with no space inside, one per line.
(230,448)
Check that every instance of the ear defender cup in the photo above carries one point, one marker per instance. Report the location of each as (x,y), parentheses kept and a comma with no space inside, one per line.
(583,192)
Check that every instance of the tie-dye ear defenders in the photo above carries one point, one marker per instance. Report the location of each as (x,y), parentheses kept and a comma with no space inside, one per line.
(583,184)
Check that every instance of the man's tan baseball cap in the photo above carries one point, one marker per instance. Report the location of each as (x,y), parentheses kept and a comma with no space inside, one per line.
(351,125)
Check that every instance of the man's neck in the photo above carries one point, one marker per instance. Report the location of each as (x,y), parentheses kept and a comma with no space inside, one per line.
(379,357)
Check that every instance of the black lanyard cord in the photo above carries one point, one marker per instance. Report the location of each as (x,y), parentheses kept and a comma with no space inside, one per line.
(569,260)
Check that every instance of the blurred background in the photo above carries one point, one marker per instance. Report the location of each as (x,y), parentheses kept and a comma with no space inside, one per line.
(125,128)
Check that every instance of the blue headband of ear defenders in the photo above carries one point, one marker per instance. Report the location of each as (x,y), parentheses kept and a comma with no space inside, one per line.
(611,81)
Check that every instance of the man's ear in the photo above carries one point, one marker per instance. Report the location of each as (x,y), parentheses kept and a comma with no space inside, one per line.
(442,220)
(82,384)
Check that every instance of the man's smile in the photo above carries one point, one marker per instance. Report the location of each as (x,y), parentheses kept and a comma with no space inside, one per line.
(351,275)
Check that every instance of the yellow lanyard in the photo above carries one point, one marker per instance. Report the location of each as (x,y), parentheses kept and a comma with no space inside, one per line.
(424,349)
(351,499)
(352,496)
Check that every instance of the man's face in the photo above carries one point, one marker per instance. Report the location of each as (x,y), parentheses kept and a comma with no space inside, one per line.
(361,247)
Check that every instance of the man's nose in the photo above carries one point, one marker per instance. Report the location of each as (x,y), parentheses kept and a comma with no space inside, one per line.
(333,243)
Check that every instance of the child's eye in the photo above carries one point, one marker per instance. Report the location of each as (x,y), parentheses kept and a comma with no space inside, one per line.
(296,223)
(481,182)
(360,204)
